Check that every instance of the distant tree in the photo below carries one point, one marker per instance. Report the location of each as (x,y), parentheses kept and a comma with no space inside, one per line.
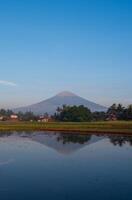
(28,116)
(46,115)
(6,113)
(20,115)
(3,112)
(120,112)
(73,114)
(129,112)
(98,116)
(112,109)
(9,113)
(117,110)
(120,108)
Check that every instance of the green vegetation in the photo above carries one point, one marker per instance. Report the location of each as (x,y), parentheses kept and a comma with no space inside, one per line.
(22,116)
(73,118)
(28,116)
(85,127)
(73,114)
(83,114)
(120,112)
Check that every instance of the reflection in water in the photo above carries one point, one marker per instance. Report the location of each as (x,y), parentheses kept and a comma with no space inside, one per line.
(120,140)
(63,166)
(116,139)
(70,138)
(6,162)
(66,143)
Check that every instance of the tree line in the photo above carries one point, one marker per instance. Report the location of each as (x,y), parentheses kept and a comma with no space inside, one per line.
(27,116)
(77,114)
(83,114)
(121,112)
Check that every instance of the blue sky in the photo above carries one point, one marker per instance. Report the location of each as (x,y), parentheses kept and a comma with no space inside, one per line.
(48,46)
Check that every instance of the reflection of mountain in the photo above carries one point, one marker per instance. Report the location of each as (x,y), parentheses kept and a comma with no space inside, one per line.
(65,143)
(61,142)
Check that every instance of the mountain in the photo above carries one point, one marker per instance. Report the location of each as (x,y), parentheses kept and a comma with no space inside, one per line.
(63,98)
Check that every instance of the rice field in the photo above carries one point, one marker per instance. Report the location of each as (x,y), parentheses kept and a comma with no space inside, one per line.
(86,127)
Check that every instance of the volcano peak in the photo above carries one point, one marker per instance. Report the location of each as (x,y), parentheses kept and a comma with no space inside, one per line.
(66,94)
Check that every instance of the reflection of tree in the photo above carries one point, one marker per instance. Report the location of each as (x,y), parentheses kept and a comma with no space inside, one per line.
(120,140)
(5,133)
(20,133)
(72,138)
(65,138)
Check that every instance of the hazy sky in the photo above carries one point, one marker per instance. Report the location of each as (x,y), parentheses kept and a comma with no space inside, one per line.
(83,46)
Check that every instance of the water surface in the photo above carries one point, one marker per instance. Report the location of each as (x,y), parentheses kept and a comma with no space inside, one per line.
(56,166)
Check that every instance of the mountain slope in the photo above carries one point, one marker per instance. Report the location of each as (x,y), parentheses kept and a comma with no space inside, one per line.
(63,98)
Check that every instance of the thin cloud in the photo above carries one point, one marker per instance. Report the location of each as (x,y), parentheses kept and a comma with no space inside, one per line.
(7,83)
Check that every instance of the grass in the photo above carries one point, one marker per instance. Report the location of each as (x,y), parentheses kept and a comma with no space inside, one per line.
(86,127)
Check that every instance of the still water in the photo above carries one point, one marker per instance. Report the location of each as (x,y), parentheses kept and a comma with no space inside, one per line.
(58,166)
